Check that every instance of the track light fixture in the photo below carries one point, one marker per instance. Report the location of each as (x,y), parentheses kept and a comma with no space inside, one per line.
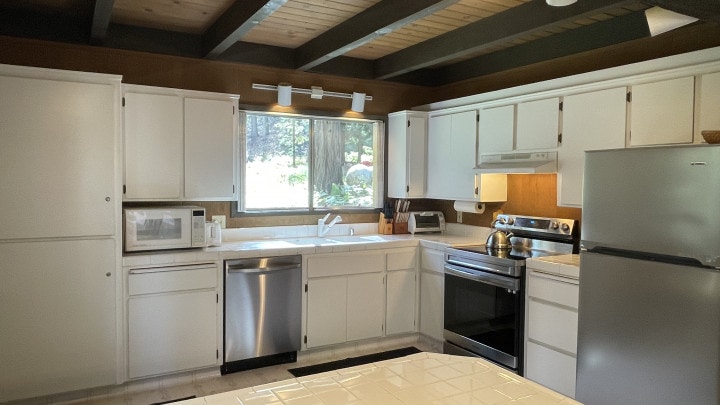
(285,91)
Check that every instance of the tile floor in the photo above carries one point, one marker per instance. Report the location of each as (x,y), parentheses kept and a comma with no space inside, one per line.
(210,382)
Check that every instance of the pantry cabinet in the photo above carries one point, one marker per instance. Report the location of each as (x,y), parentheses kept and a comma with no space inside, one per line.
(591,121)
(179,145)
(407,154)
(708,94)
(451,156)
(661,113)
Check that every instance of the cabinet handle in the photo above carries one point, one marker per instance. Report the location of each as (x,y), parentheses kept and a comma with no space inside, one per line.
(107,199)
(108,274)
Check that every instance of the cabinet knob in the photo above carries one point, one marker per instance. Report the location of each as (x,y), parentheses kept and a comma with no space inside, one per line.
(107,199)
(108,274)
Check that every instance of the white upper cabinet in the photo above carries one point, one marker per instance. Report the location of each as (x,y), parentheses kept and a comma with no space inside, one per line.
(496,130)
(407,134)
(661,112)
(210,149)
(179,145)
(153,146)
(708,116)
(58,147)
(538,124)
(451,156)
(591,121)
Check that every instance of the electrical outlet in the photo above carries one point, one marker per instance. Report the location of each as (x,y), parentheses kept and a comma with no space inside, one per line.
(220,219)
(459,217)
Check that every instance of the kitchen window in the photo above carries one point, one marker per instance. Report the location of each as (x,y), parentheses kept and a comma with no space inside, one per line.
(307,163)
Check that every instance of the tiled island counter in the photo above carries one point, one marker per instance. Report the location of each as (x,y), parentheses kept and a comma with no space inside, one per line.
(422,378)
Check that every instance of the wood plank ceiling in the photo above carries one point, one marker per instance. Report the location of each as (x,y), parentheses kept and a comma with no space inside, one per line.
(428,42)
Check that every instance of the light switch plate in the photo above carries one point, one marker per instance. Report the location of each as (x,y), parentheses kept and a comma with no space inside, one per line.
(220,219)
(459,217)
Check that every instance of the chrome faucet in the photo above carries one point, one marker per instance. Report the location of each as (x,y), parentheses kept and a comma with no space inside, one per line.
(322,229)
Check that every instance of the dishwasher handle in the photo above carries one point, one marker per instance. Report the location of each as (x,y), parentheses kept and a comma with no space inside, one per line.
(255,269)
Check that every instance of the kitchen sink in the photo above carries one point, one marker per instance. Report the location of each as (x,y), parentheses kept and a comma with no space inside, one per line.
(334,240)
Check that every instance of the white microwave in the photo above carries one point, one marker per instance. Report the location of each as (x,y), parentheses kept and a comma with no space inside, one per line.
(160,228)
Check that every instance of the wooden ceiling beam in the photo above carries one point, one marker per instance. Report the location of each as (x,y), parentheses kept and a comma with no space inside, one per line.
(499,28)
(153,40)
(100,20)
(374,22)
(232,25)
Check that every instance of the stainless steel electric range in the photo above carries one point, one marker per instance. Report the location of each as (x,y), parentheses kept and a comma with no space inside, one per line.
(485,287)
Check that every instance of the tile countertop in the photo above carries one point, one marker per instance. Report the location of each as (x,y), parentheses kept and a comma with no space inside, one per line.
(285,241)
(561,265)
(422,378)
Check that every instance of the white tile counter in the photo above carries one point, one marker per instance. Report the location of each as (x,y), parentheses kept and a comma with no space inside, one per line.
(422,378)
(560,265)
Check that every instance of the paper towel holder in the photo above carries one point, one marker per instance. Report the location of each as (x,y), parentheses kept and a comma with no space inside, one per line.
(472,207)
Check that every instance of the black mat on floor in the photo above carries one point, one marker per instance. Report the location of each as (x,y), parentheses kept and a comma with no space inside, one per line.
(353,361)
(174,400)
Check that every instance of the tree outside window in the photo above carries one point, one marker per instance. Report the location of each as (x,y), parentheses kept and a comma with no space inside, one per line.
(302,163)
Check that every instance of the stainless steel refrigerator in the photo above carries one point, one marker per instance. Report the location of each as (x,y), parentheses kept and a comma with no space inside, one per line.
(649,314)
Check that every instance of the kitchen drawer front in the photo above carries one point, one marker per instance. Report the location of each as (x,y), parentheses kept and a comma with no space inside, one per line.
(402,259)
(552,325)
(168,279)
(552,289)
(550,368)
(432,260)
(339,264)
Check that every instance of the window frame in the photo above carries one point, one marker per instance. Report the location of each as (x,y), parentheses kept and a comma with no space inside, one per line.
(238,204)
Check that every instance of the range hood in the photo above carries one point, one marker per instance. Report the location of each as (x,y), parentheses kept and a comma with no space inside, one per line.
(518,163)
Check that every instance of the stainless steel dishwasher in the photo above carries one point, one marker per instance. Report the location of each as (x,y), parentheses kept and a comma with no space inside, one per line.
(262,312)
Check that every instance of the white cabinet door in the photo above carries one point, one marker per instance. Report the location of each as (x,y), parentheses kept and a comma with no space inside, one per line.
(210,128)
(58,315)
(538,124)
(661,113)
(57,158)
(550,368)
(153,146)
(400,313)
(407,134)
(365,306)
(709,104)
(591,121)
(496,130)
(452,141)
(432,293)
(326,311)
(171,332)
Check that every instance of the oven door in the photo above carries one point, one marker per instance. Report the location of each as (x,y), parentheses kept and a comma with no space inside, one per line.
(484,314)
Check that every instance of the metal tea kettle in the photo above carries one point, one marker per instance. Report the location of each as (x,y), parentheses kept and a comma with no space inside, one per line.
(499,240)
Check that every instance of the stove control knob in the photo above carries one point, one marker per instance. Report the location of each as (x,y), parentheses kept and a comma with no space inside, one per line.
(565,227)
(554,226)
(510,221)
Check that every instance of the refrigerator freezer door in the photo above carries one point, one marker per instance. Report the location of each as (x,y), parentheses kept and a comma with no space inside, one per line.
(657,200)
(648,332)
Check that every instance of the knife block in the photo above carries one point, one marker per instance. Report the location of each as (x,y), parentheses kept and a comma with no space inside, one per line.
(385,225)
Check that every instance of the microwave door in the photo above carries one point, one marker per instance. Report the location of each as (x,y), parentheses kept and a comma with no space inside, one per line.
(158,229)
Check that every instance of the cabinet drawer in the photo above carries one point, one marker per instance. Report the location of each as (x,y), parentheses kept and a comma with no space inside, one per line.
(433,260)
(401,260)
(167,279)
(345,264)
(553,325)
(548,289)
(550,368)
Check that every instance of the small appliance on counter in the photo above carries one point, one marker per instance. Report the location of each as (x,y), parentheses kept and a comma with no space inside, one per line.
(426,221)
(213,233)
(161,228)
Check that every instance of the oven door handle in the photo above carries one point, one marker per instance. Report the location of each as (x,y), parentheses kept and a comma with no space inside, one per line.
(487,278)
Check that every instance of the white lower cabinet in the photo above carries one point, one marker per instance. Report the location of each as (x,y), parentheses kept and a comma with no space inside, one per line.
(551,331)
(352,296)
(57,317)
(432,292)
(172,319)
